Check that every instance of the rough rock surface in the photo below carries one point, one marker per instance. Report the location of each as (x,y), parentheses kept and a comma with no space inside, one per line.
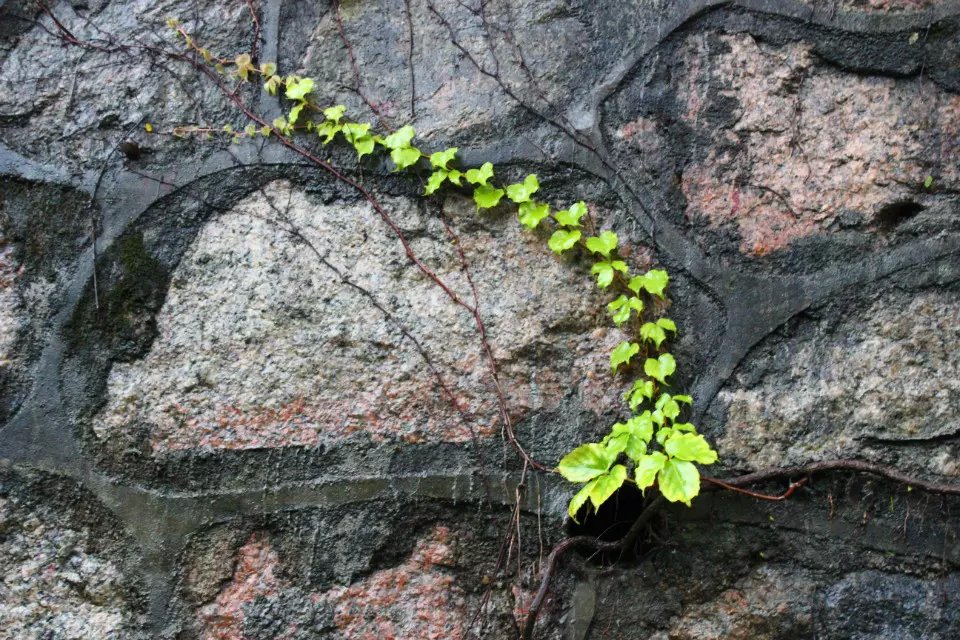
(232,367)
(892,375)
(63,571)
(269,339)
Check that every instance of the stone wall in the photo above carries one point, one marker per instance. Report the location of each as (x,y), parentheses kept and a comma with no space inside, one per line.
(231,407)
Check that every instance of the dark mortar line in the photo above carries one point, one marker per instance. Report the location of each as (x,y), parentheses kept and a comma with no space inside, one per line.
(270,33)
(749,324)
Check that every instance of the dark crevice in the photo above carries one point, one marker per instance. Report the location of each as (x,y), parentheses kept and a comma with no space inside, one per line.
(893,215)
(610,523)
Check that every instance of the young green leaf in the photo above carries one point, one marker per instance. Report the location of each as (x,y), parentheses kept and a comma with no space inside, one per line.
(689,446)
(486,196)
(364,145)
(328,130)
(434,181)
(481,175)
(454,176)
(684,426)
(272,85)
(622,353)
(405,156)
(620,308)
(334,113)
(660,368)
(668,406)
(299,88)
(522,192)
(641,390)
(586,462)
(578,500)
(295,112)
(562,240)
(571,217)
(440,159)
(603,244)
(244,66)
(268,69)
(607,484)
(683,398)
(928,182)
(531,213)
(399,139)
(647,468)
(667,324)
(679,481)
(640,427)
(355,130)
(604,271)
(653,332)
(653,282)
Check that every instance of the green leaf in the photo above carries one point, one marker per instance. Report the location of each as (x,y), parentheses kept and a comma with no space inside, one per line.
(586,462)
(561,240)
(668,324)
(928,182)
(531,213)
(577,501)
(684,426)
(299,88)
(662,434)
(244,66)
(481,175)
(620,308)
(250,130)
(355,130)
(603,244)
(522,192)
(653,282)
(642,389)
(271,85)
(647,468)
(679,481)
(334,113)
(295,112)
(653,332)
(399,139)
(268,69)
(683,398)
(364,145)
(454,176)
(486,196)
(622,353)
(571,217)
(435,181)
(440,159)
(660,368)
(604,271)
(405,157)
(640,427)
(607,484)
(328,130)
(668,406)
(689,446)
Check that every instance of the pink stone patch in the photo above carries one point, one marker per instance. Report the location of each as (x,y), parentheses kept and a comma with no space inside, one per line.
(253,577)
(810,142)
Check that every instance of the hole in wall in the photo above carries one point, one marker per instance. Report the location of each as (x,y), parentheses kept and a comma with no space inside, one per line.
(610,523)
(892,215)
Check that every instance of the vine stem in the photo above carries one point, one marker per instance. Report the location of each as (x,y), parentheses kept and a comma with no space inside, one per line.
(736,485)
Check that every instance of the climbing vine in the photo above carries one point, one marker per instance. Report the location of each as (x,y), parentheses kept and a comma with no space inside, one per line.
(651,447)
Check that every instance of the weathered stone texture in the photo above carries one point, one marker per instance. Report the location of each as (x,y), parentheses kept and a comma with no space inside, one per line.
(60,578)
(262,344)
(808,145)
(241,373)
(891,374)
